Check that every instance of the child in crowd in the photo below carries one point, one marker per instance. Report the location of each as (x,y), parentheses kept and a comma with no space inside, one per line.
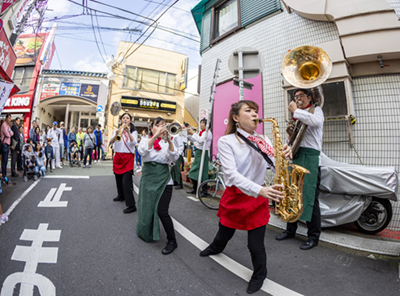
(40,168)
(74,152)
(48,152)
(30,158)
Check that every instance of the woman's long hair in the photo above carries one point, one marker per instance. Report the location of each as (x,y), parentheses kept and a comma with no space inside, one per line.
(235,108)
(131,125)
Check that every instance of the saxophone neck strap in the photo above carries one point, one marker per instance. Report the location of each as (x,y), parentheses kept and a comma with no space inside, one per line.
(265,156)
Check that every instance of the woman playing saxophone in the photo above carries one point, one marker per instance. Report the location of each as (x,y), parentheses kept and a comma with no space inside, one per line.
(244,204)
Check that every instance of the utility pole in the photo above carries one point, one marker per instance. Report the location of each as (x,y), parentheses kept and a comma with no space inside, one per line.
(14,36)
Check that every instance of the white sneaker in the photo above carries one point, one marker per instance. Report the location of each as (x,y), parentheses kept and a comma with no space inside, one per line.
(89,166)
(83,165)
(60,167)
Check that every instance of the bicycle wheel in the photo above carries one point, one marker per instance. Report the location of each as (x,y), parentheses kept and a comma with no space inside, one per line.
(210,193)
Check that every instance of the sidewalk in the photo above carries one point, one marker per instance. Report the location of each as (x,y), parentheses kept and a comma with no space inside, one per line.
(384,243)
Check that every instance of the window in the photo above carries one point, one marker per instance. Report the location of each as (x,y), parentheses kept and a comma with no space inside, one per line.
(149,80)
(22,76)
(225,19)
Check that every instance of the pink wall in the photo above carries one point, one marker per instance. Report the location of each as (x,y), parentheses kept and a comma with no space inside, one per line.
(227,94)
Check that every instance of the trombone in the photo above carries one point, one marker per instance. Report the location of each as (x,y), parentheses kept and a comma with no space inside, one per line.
(174,129)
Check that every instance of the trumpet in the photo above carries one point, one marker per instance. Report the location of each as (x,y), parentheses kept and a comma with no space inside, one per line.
(118,137)
(174,129)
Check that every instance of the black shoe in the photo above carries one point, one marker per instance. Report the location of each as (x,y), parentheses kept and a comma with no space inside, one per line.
(179,186)
(51,170)
(309,245)
(284,236)
(208,252)
(191,191)
(203,194)
(130,210)
(118,199)
(253,287)
(169,248)
(14,175)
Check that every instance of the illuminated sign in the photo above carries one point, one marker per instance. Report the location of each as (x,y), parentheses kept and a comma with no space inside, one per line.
(150,104)
(89,91)
(69,89)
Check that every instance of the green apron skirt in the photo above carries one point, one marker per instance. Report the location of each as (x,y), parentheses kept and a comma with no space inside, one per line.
(155,177)
(194,170)
(176,170)
(308,158)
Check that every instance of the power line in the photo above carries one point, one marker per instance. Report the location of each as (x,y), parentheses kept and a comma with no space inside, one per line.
(150,1)
(127,11)
(58,58)
(101,39)
(95,37)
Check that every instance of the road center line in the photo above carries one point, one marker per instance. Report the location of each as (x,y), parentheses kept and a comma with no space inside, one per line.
(192,198)
(10,209)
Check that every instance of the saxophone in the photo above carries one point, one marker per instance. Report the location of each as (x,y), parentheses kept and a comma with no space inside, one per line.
(289,175)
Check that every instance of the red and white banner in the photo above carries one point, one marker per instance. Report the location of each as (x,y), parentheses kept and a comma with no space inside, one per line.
(19,102)
(8,58)
(6,4)
(50,89)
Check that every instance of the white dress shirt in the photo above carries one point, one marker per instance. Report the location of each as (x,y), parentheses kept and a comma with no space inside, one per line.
(313,135)
(178,142)
(199,141)
(242,166)
(127,146)
(53,134)
(161,156)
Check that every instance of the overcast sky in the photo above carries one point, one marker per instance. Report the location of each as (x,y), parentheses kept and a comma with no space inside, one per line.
(77,49)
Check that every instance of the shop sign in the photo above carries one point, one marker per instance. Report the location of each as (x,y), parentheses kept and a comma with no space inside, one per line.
(50,89)
(17,102)
(28,48)
(5,89)
(69,89)
(19,12)
(149,104)
(6,4)
(89,91)
(7,54)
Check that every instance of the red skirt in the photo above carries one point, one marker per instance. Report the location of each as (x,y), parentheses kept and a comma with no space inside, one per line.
(122,163)
(240,211)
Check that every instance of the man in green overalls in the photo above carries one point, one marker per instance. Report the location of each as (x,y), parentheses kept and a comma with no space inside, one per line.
(199,139)
(308,157)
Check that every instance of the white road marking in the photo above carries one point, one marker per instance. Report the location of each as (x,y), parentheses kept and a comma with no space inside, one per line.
(10,209)
(52,199)
(236,268)
(192,198)
(136,189)
(66,177)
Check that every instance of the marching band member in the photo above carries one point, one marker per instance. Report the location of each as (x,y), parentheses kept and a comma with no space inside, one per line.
(308,157)
(155,189)
(244,204)
(123,161)
(199,138)
(176,168)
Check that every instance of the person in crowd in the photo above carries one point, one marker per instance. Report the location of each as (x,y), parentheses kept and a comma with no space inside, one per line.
(74,152)
(244,203)
(103,156)
(62,142)
(308,157)
(49,153)
(31,133)
(46,132)
(79,140)
(54,134)
(71,137)
(155,190)
(3,217)
(30,158)
(144,134)
(6,134)
(36,135)
(137,155)
(42,138)
(40,168)
(176,168)
(199,138)
(19,149)
(123,162)
(89,141)
(15,146)
(99,141)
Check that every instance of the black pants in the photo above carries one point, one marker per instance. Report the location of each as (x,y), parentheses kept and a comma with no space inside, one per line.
(19,161)
(97,149)
(88,152)
(14,159)
(163,214)
(125,188)
(48,162)
(255,243)
(5,149)
(314,226)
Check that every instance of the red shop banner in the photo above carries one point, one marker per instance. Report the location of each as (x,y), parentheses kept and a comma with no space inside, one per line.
(6,4)
(19,102)
(8,57)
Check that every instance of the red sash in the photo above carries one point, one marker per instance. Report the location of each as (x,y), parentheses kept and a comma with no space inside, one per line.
(240,211)
(122,163)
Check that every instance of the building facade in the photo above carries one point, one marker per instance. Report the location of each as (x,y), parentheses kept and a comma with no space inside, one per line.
(362,39)
(150,84)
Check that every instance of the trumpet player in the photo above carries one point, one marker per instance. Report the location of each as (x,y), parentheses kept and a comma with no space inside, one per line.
(155,189)
(244,204)
(123,161)
(199,139)
(308,157)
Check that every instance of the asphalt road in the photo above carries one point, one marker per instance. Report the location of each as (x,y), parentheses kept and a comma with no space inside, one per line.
(92,249)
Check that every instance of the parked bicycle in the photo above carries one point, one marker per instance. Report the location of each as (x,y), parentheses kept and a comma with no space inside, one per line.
(210,191)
